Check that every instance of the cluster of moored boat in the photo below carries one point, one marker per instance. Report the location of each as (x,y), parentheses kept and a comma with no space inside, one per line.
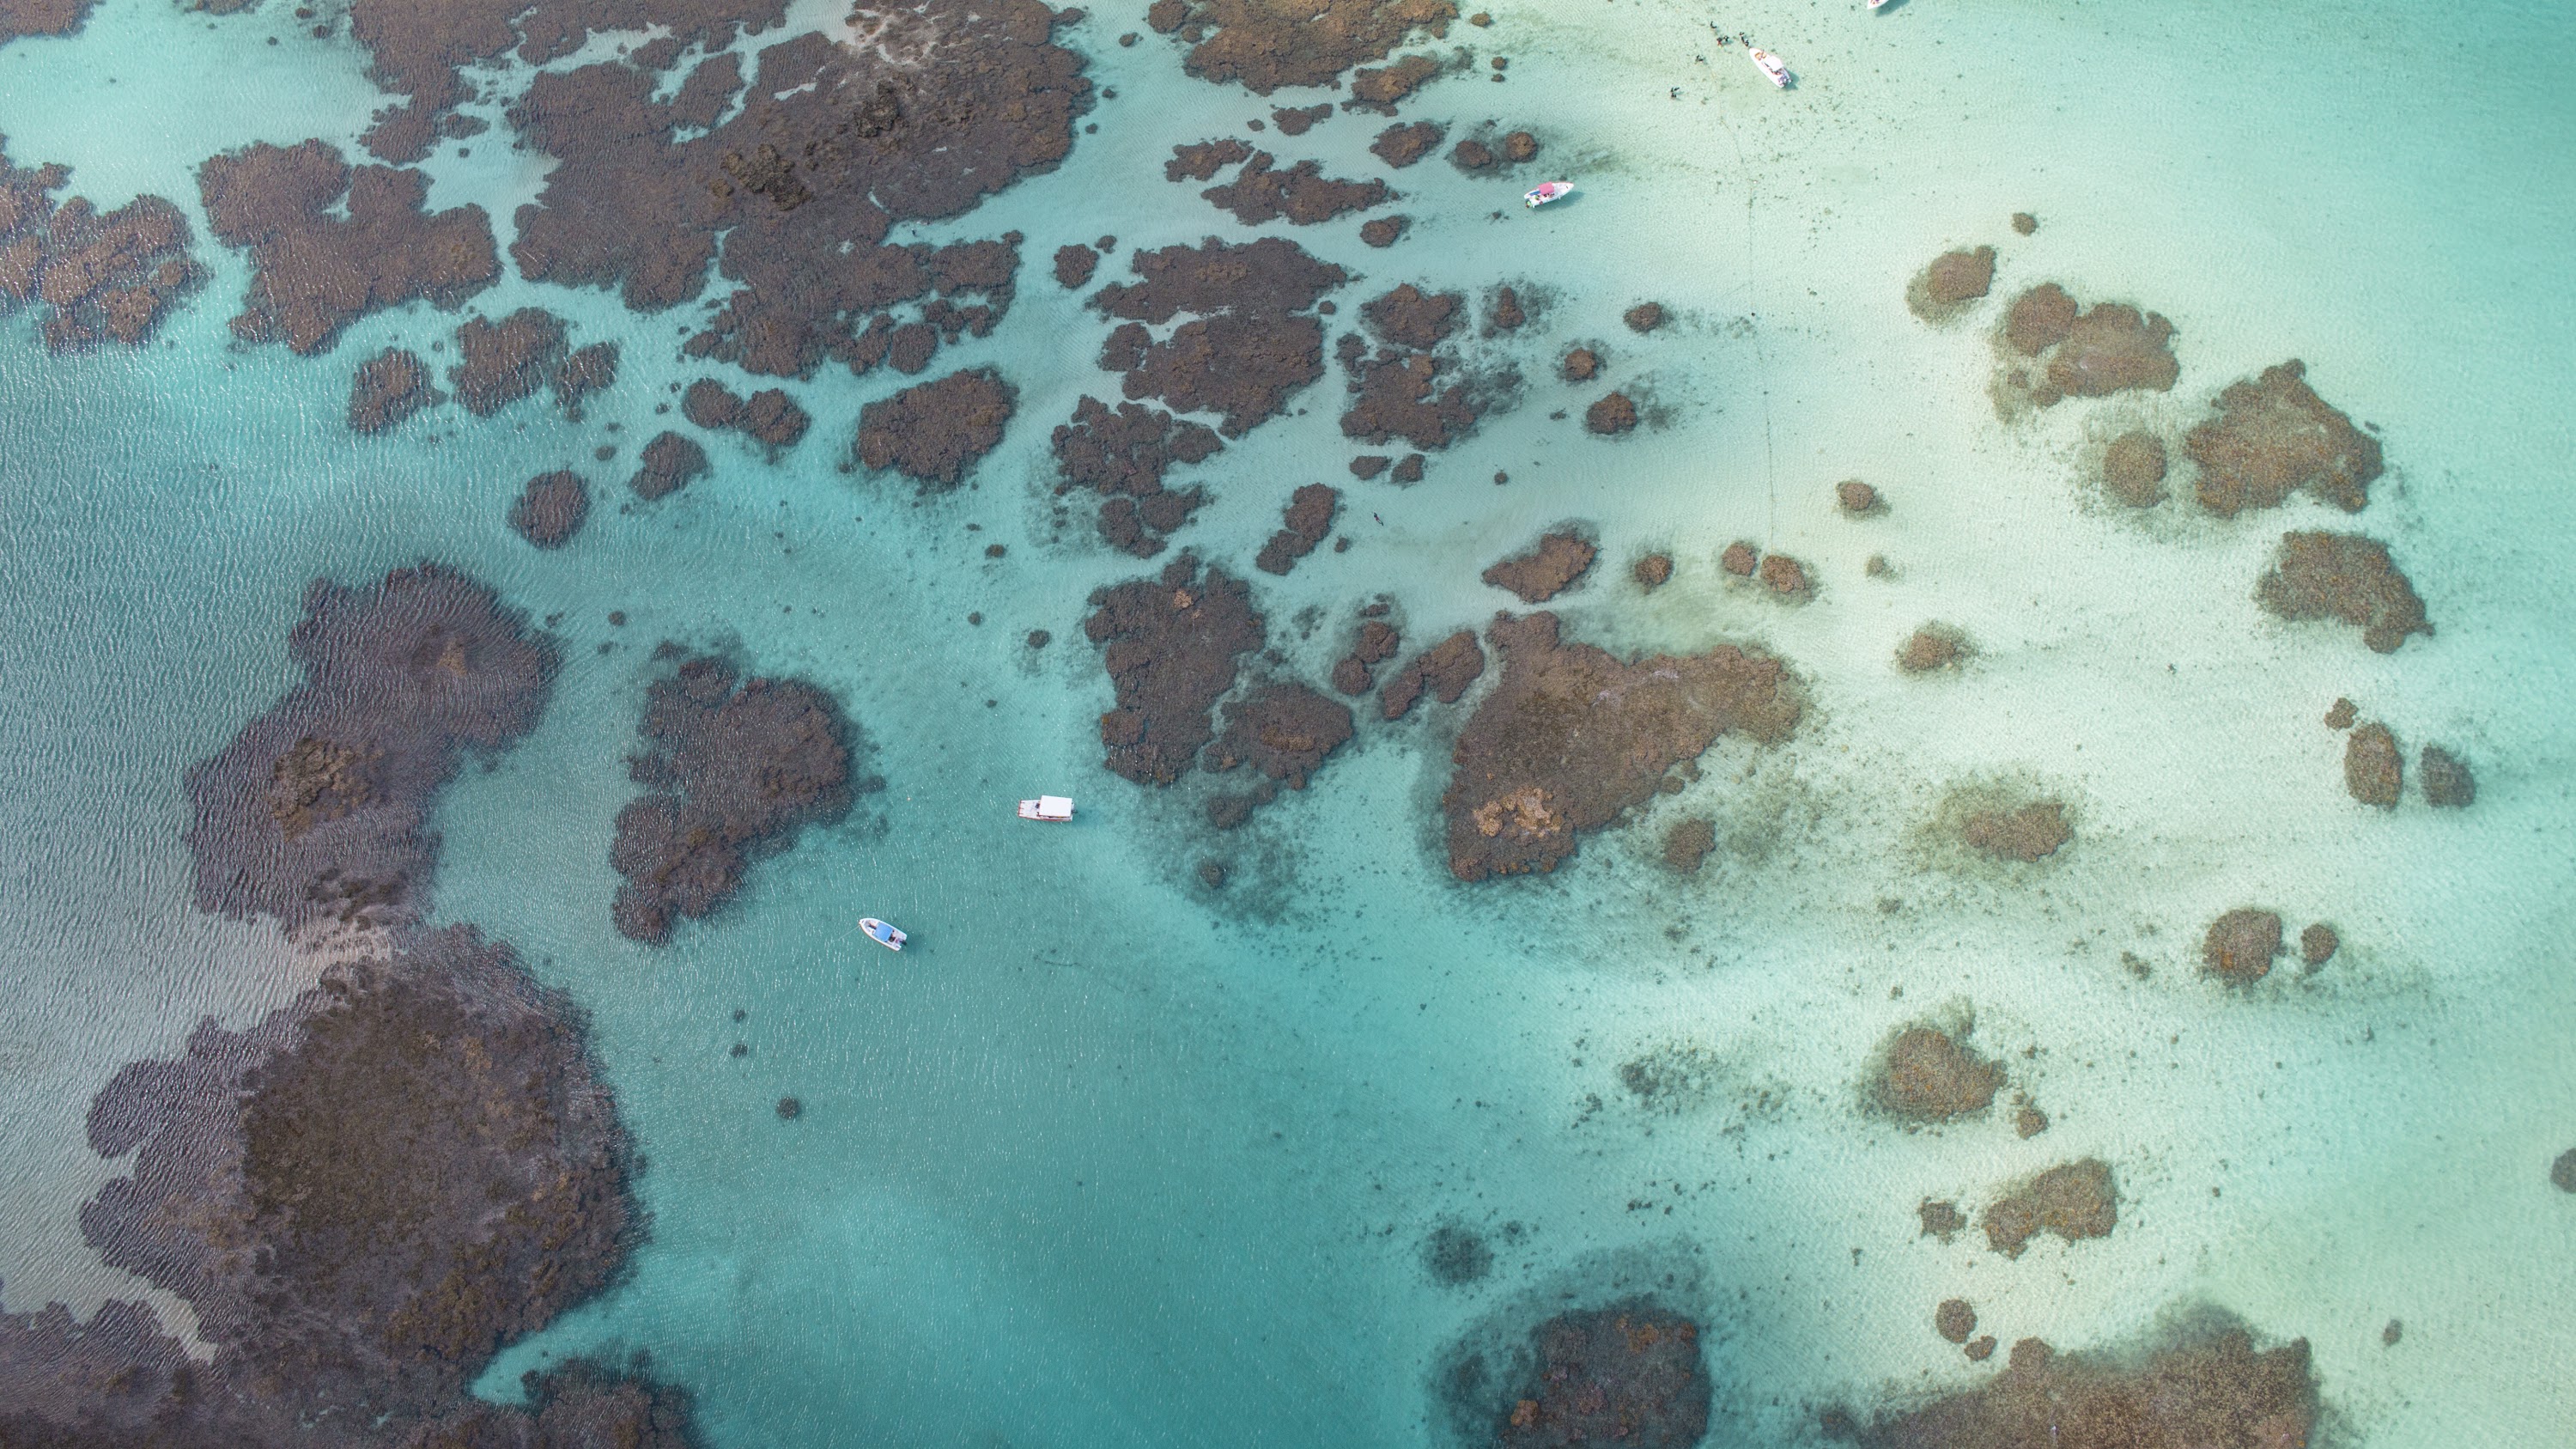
(1051,808)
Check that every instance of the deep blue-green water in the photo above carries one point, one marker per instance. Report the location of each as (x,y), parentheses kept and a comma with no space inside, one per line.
(1110,1159)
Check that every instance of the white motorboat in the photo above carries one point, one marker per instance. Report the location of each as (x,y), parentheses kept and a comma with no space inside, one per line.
(1772,67)
(1874,4)
(1545,192)
(883,934)
(1047,807)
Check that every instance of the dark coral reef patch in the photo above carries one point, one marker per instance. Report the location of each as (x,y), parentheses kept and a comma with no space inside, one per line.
(1631,1373)
(389,387)
(1302,195)
(2346,577)
(94,276)
(1172,645)
(1122,454)
(1252,339)
(736,770)
(2075,1201)
(934,432)
(1545,571)
(1926,1074)
(1264,45)
(318,809)
(1573,738)
(2079,352)
(2274,436)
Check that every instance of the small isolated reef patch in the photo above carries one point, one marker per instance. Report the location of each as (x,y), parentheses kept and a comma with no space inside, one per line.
(1928,1074)
(2075,1201)
(2053,349)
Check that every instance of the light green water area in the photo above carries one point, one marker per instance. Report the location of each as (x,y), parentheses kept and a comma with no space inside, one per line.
(1109,1158)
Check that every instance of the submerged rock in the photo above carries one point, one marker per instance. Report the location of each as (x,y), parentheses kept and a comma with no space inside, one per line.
(1857,499)
(1202,160)
(1954,1320)
(2373,771)
(1172,645)
(1932,648)
(1122,456)
(2240,946)
(1653,570)
(1572,739)
(1644,317)
(1401,146)
(1687,843)
(1456,1255)
(1376,644)
(1580,364)
(2343,576)
(1941,1220)
(1308,518)
(2133,469)
(1545,571)
(2074,1201)
(2273,436)
(1444,671)
(389,387)
(501,362)
(668,464)
(1264,46)
(2447,783)
(1950,282)
(1283,730)
(1074,265)
(1926,1075)
(550,510)
(2026,833)
(93,276)
(934,432)
(2318,944)
(1302,195)
(769,417)
(1252,340)
(1610,416)
(1629,1373)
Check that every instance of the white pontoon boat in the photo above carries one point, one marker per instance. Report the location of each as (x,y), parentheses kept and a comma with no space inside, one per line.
(1047,807)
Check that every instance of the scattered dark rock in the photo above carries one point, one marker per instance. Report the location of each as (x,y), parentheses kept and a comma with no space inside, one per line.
(1952,280)
(1302,195)
(2341,715)
(2240,946)
(1074,265)
(789,1109)
(1253,343)
(1581,364)
(1376,644)
(1123,456)
(330,243)
(1444,671)
(389,387)
(2373,771)
(2343,576)
(2446,780)
(1212,874)
(1202,160)
(1785,576)
(1630,1373)
(1385,231)
(1545,571)
(2318,944)
(669,463)
(318,809)
(2275,435)
(2027,833)
(550,510)
(736,770)
(1644,317)
(95,277)
(2075,1201)
(934,432)
(1954,1320)
(500,363)
(1926,1075)
(1739,559)
(1688,843)
(1940,1220)
(2028,1120)
(1877,566)
(2024,223)
(2206,1386)
(1264,46)
(1283,730)
(2389,1335)
(1309,517)
(1572,739)
(2562,1173)
(1456,1255)
(1401,146)
(1039,639)
(1172,645)
(1653,570)
(2133,469)
(1612,415)
(769,416)
(1857,498)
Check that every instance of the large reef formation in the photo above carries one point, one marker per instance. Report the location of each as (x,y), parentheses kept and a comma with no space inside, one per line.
(1173,645)
(2056,349)
(1302,195)
(1396,390)
(1122,455)
(318,809)
(1265,44)
(2206,1386)
(736,771)
(1558,561)
(2346,577)
(95,276)
(932,433)
(2273,436)
(330,243)
(42,17)
(363,1197)
(1631,1373)
(1573,738)
(788,187)
(499,363)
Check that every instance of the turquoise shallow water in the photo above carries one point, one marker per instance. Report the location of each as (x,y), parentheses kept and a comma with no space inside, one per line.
(1106,1160)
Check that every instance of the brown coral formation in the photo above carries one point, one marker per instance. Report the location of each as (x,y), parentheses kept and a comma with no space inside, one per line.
(2446,780)
(95,276)
(1251,343)
(1613,414)
(2240,946)
(1954,1320)
(1687,843)
(1653,570)
(1377,643)
(2347,577)
(668,464)
(2133,469)
(1940,1219)
(2208,1387)
(550,510)
(1644,317)
(1572,739)
(1630,1373)
(1379,88)
(330,243)
(1298,120)
(934,432)
(2318,944)
(768,417)
(2373,771)
(500,363)
(1385,231)
(1202,160)
(1285,731)
(1264,44)
(1443,671)
(789,186)
(1580,364)
(1401,146)
(1074,265)
(2075,1201)
(318,808)
(389,387)
(1172,645)
(2026,833)
(1545,571)
(1927,1075)
(736,770)
(1398,394)
(1122,455)
(1950,282)
(1857,499)
(1411,317)
(42,17)
(1785,576)
(1302,195)
(2274,436)
(2111,347)
(1309,516)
